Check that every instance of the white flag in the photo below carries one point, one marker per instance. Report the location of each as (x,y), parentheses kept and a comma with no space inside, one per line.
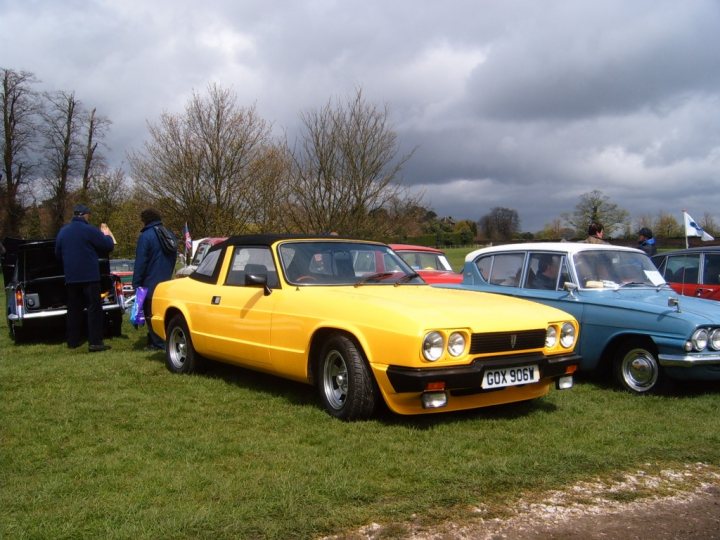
(693,229)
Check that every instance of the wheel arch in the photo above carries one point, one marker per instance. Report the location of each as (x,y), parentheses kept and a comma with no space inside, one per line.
(316,343)
(621,340)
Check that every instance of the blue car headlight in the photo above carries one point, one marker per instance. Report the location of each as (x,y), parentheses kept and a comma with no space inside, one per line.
(699,339)
(714,339)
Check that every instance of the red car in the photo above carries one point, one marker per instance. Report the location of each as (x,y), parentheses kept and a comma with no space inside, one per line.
(693,271)
(430,263)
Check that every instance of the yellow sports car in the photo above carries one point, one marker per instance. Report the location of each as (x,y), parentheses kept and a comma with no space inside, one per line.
(353,319)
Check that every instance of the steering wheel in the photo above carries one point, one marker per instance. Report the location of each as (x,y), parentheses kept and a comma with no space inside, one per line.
(306,279)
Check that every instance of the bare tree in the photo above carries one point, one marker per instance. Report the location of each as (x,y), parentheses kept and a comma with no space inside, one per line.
(666,226)
(500,224)
(596,207)
(96,127)
(345,168)
(61,130)
(19,107)
(709,224)
(269,190)
(199,165)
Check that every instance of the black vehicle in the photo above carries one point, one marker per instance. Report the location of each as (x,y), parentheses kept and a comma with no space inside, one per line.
(35,289)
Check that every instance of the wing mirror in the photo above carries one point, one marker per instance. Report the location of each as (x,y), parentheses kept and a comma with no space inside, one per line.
(258,280)
(570,287)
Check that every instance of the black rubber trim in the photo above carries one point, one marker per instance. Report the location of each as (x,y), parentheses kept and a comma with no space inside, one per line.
(470,377)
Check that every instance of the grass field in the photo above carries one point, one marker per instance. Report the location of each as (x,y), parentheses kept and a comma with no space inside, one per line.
(112,445)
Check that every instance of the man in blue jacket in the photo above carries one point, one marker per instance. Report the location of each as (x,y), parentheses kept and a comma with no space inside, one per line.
(152,265)
(78,246)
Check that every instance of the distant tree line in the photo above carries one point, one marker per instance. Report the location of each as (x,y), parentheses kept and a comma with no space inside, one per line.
(217,167)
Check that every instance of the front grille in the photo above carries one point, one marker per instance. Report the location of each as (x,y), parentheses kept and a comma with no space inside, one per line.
(494,342)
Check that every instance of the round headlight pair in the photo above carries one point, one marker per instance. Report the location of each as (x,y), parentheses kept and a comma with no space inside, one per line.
(703,338)
(567,336)
(434,345)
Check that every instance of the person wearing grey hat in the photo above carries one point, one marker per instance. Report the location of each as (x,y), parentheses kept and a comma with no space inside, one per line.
(646,241)
(78,246)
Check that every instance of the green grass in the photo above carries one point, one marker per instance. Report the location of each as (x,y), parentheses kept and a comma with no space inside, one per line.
(112,445)
(456,256)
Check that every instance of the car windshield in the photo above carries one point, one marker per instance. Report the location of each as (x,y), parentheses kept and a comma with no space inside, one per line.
(343,263)
(612,269)
(424,260)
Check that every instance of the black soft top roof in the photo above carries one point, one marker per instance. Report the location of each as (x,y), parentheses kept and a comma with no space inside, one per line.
(269,239)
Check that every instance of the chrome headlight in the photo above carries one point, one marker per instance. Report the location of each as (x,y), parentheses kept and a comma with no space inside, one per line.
(456,344)
(433,345)
(551,337)
(699,339)
(715,339)
(567,335)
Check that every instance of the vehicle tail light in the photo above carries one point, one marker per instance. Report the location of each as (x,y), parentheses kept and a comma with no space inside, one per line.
(19,299)
(119,291)
(435,386)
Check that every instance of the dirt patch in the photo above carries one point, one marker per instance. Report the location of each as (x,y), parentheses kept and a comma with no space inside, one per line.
(672,504)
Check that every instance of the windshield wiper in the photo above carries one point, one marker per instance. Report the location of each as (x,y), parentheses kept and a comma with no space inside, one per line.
(369,277)
(406,278)
(629,283)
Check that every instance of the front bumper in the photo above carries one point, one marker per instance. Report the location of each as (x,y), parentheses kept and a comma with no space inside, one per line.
(469,378)
(689,360)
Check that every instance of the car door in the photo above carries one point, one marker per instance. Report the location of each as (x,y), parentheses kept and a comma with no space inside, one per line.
(683,273)
(240,314)
(710,286)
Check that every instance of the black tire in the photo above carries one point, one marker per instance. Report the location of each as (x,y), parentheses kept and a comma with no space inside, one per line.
(180,355)
(345,385)
(17,333)
(636,368)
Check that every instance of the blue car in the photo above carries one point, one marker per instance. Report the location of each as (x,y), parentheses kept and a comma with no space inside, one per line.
(630,320)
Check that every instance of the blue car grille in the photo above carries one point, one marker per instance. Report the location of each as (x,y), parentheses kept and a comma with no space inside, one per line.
(493,342)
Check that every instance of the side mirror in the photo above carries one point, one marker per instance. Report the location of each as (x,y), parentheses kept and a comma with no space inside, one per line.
(258,280)
(570,287)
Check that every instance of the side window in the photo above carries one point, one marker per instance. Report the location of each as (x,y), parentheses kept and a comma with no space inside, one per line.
(711,274)
(208,264)
(484,265)
(506,269)
(251,260)
(682,268)
(543,271)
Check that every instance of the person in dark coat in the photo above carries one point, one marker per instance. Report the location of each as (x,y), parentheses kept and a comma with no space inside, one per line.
(646,242)
(78,246)
(152,265)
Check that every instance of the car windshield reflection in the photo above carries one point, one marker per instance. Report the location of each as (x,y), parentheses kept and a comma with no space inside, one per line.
(613,269)
(343,263)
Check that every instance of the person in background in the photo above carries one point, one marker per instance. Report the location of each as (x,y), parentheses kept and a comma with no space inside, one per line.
(595,234)
(152,265)
(78,246)
(546,277)
(646,242)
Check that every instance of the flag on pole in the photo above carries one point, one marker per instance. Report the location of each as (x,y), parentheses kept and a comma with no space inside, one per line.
(188,240)
(693,229)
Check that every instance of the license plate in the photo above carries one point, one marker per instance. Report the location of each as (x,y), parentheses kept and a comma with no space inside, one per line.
(510,376)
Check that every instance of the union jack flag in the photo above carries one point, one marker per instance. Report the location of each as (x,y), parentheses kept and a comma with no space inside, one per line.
(188,239)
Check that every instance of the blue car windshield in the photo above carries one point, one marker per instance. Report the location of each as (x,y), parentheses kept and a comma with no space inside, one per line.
(597,269)
(343,263)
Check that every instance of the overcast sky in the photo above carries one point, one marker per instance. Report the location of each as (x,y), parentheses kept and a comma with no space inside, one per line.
(520,104)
